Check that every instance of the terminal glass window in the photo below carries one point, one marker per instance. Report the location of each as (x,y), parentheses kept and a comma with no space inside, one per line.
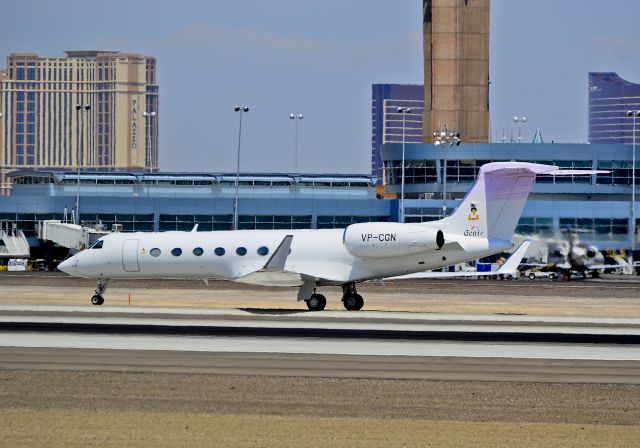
(415,171)
(274,222)
(535,226)
(598,228)
(340,222)
(621,172)
(206,223)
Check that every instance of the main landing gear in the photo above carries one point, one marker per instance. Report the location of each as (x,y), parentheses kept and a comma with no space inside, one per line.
(316,302)
(97,299)
(350,298)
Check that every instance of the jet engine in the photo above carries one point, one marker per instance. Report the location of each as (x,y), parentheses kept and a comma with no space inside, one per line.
(390,239)
(592,251)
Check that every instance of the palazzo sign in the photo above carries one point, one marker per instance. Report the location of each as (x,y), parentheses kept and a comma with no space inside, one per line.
(134,123)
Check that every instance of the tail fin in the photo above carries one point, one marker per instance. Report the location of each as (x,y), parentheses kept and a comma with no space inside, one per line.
(493,206)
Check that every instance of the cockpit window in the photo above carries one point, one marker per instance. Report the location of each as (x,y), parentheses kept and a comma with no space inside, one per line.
(97,244)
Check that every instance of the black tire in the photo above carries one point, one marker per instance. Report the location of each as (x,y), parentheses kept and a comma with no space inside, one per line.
(317,302)
(532,276)
(353,302)
(97,300)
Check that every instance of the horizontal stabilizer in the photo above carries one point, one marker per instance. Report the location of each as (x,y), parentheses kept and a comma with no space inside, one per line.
(512,263)
(575,172)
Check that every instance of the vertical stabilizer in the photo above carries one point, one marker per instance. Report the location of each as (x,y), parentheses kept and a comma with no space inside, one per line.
(493,206)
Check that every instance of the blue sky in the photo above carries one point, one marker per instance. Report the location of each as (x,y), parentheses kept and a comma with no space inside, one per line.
(320,58)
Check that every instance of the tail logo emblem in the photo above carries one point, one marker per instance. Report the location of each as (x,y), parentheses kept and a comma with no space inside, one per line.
(473,216)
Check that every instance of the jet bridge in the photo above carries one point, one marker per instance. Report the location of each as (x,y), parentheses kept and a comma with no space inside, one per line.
(73,236)
(13,245)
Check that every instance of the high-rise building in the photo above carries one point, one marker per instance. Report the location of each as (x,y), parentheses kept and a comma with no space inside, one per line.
(456,68)
(610,98)
(91,109)
(387,121)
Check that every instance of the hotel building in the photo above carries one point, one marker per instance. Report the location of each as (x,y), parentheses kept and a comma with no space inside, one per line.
(91,109)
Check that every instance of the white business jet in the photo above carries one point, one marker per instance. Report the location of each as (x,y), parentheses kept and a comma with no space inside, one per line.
(482,225)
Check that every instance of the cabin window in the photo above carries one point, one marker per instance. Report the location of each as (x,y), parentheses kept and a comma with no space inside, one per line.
(198,251)
(155,252)
(176,252)
(97,245)
(219,251)
(241,251)
(263,250)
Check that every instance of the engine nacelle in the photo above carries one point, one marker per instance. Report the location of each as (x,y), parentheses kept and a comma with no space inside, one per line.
(390,239)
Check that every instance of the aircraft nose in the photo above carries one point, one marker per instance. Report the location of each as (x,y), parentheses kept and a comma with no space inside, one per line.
(69,265)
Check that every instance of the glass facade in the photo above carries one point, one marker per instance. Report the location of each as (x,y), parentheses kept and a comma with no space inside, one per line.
(387,122)
(610,97)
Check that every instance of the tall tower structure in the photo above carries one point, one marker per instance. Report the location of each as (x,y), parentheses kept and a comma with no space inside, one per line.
(456,68)
(114,127)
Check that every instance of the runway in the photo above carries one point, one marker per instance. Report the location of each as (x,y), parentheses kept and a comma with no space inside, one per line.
(340,344)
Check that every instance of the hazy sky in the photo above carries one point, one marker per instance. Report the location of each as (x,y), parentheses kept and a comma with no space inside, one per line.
(320,58)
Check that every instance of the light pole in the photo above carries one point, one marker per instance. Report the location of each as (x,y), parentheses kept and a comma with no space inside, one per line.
(520,121)
(404,111)
(148,127)
(242,110)
(443,138)
(295,118)
(633,114)
(80,148)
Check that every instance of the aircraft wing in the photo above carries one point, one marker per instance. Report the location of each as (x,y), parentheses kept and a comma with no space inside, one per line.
(273,273)
(509,267)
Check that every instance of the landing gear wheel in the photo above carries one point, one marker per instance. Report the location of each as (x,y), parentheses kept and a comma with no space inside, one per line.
(97,300)
(353,302)
(317,302)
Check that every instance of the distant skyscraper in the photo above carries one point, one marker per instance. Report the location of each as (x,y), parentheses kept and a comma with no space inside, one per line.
(387,122)
(456,67)
(610,97)
(41,127)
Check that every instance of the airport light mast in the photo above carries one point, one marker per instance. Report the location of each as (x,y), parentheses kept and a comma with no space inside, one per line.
(520,121)
(242,110)
(79,149)
(296,118)
(404,111)
(633,114)
(149,126)
(445,138)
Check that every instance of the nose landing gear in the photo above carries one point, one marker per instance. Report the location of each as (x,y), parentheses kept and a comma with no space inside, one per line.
(97,299)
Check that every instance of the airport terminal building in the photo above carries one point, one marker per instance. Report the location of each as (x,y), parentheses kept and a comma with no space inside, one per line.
(178,201)
(596,206)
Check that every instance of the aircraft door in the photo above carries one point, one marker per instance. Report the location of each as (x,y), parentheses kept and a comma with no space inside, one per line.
(130,256)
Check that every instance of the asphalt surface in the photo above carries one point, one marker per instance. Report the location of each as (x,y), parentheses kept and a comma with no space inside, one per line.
(83,389)
(301,365)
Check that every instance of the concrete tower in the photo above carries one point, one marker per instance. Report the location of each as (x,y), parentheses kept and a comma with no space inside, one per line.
(456,68)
